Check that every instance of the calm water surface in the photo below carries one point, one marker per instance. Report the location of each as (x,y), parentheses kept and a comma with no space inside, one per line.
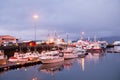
(92,67)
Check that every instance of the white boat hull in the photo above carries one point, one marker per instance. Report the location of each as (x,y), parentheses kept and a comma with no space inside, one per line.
(80,54)
(23,60)
(54,60)
(70,56)
(12,59)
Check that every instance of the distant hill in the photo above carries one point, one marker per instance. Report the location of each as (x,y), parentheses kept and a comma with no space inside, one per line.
(110,39)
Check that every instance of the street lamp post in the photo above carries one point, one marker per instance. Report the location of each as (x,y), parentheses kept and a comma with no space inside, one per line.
(35,17)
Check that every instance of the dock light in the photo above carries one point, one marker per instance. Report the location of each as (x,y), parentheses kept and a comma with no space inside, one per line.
(35,16)
(47,42)
(17,63)
(32,44)
(52,40)
(83,33)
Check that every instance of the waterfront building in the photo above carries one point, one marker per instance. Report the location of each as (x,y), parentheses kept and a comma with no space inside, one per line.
(6,39)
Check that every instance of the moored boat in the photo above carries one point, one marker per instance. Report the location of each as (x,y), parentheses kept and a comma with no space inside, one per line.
(18,57)
(51,57)
(80,51)
(116,43)
(94,47)
(32,56)
(69,54)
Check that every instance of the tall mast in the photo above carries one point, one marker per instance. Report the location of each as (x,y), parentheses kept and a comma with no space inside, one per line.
(55,35)
(94,38)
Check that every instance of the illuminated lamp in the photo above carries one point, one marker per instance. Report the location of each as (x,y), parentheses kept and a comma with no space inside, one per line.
(32,44)
(51,40)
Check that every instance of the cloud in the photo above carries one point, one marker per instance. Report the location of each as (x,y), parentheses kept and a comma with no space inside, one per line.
(72,16)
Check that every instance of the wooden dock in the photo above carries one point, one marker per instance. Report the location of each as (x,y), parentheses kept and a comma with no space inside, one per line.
(16,65)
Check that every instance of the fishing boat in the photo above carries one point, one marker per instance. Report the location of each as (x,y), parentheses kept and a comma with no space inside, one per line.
(32,56)
(51,57)
(103,44)
(116,43)
(94,47)
(18,57)
(69,54)
(80,51)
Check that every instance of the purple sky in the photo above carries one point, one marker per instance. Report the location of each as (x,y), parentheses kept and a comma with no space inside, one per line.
(94,17)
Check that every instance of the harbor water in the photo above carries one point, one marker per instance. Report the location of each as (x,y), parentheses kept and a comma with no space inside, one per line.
(92,67)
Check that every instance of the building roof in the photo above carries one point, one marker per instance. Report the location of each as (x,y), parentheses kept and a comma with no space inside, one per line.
(7,36)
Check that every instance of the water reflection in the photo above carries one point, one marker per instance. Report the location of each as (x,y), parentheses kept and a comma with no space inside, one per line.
(82,62)
(94,56)
(2,73)
(52,68)
(116,49)
(35,78)
(91,57)
(106,67)
(26,70)
(68,63)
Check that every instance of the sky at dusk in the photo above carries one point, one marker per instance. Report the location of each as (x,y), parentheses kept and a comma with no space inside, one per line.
(94,17)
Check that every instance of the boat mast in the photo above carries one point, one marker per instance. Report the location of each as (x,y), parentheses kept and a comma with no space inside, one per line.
(94,38)
(67,39)
(55,35)
(88,38)
(82,36)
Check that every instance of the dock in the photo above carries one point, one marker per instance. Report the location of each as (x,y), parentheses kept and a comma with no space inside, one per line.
(9,51)
(15,65)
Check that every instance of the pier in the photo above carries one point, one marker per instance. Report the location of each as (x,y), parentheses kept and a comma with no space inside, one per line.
(9,51)
(16,65)
(24,48)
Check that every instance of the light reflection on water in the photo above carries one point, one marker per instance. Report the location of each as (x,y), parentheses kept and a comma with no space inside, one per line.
(92,67)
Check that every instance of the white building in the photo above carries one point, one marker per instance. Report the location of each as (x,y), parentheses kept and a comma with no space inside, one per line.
(7,39)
